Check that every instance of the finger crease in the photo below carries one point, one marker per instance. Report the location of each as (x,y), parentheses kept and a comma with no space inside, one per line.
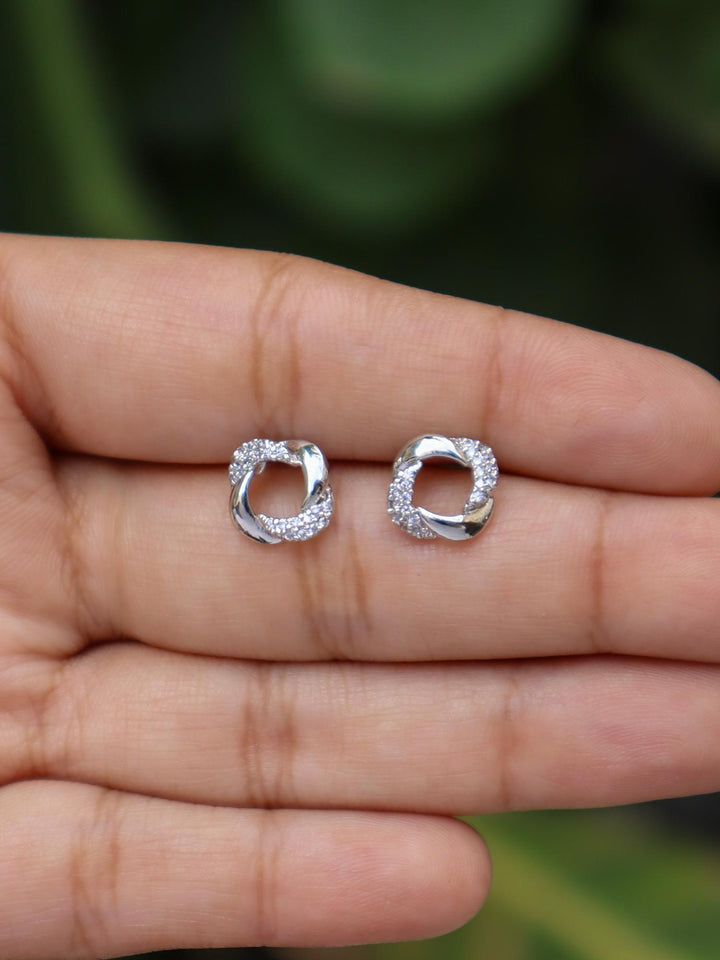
(507,742)
(94,868)
(268,310)
(597,631)
(72,559)
(357,610)
(311,586)
(267,854)
(21,375)
(268,738)
(494,371)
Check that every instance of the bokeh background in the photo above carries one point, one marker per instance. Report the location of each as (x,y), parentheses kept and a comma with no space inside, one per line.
(556,156)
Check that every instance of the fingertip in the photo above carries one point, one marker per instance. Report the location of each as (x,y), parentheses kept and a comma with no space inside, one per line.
(446,875)
(462,892)
(699,413)
(633,418)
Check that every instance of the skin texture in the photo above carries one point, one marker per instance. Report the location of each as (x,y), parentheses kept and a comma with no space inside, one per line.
(208,742)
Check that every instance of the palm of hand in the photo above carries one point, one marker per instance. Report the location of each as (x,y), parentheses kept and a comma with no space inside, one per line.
(191,726)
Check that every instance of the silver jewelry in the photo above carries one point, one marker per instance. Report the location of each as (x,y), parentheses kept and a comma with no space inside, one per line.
(424,524)
(316,509)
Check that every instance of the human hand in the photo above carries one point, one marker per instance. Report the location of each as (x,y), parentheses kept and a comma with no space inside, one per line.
(207,742)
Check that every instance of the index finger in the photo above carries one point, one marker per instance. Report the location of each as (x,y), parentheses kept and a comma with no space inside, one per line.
(176,352)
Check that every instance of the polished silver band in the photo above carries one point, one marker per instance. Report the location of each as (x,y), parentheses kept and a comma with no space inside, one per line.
(317,506)
(424,524)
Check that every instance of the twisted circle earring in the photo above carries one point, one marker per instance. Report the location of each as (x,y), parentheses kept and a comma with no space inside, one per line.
(317,506)
(424,524)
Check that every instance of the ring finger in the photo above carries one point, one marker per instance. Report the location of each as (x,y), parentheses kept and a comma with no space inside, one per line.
(434,738)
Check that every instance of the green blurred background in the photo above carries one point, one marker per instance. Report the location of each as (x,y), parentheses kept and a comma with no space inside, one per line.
(556,156)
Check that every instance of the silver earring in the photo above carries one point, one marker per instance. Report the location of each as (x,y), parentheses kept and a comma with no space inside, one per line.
(316,509)
(424,524)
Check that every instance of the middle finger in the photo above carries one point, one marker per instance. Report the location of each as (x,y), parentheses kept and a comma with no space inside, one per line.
(560,570)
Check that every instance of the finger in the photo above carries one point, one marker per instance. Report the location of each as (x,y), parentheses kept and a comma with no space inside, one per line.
(88,872)
(442,738)
(559,570)
(173,352)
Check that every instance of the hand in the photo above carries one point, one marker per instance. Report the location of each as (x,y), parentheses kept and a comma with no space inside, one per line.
(191,725)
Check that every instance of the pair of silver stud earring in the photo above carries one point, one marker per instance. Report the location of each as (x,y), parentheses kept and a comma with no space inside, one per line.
(317,506)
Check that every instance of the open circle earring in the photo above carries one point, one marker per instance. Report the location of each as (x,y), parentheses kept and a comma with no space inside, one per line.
(317,506)
(424,524)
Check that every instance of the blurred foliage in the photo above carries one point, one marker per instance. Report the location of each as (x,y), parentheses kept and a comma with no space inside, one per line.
(669,62)
(558,156)
(419,63)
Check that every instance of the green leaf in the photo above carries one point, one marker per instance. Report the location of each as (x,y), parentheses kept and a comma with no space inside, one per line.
(580,892)
(606,884)
(667,57)
(349,172)
(425,61)
(91,169)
